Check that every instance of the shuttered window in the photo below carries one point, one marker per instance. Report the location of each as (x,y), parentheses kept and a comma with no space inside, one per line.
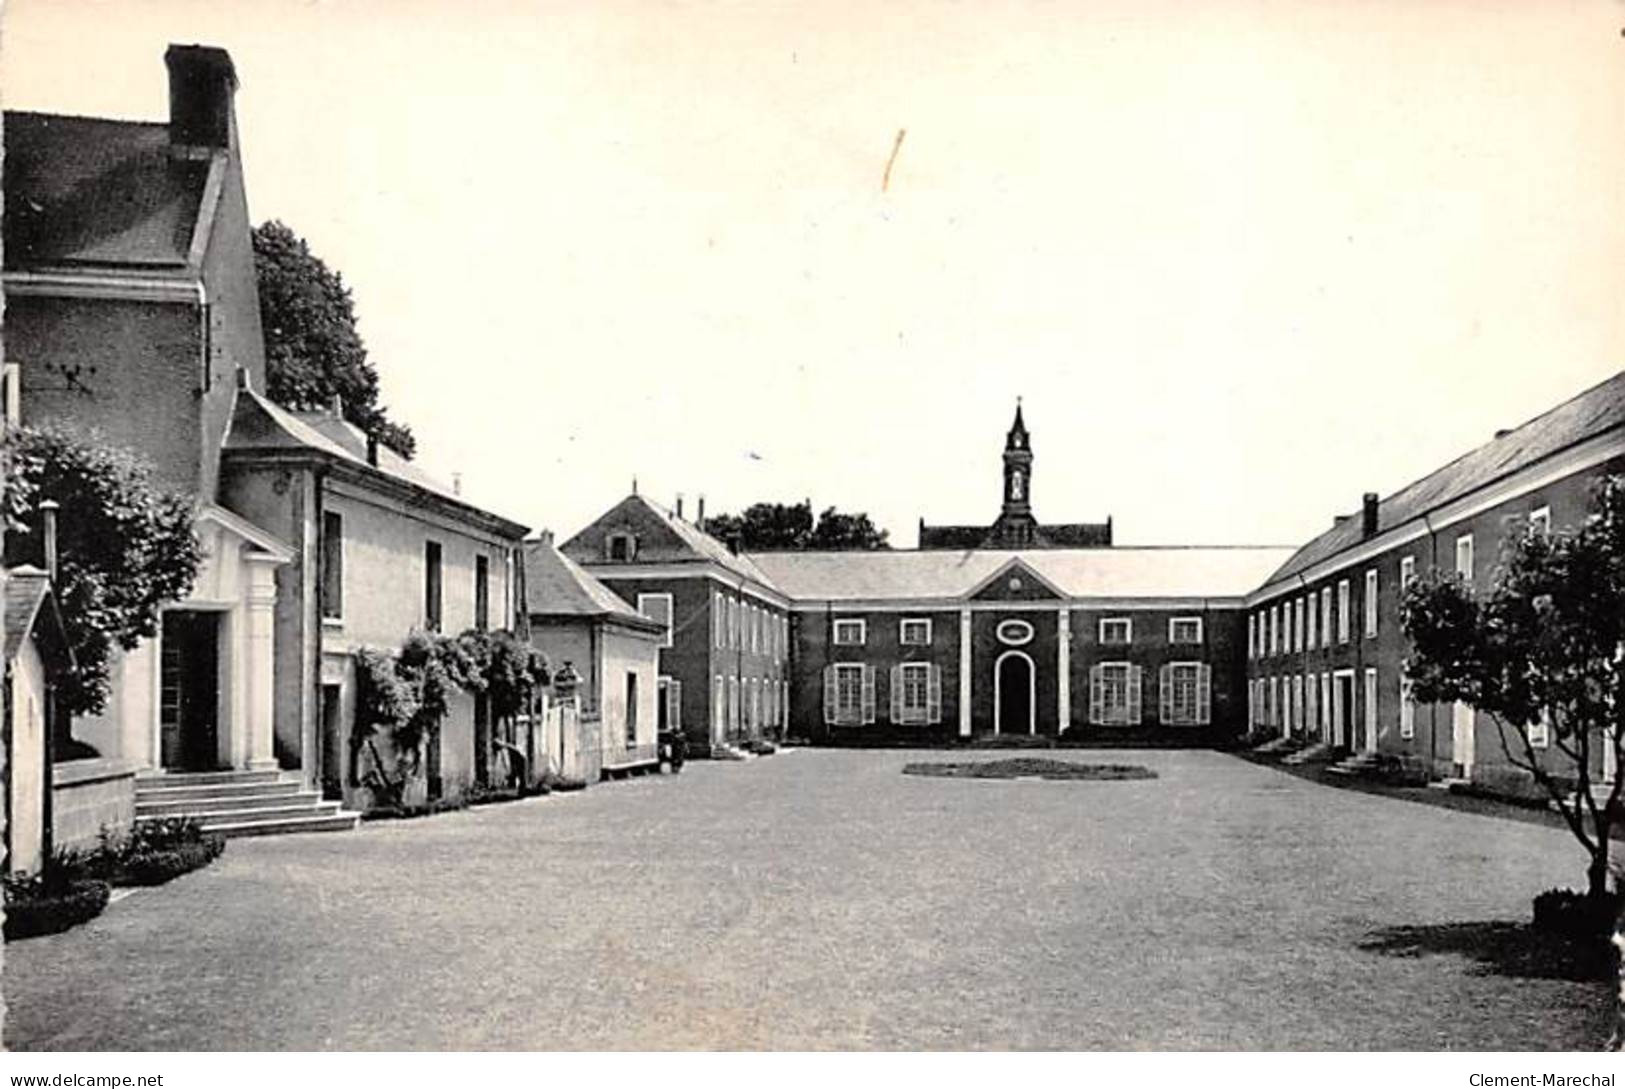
(916,694)
(1370,603)
(1326,616)
(849,694)
(1184,694)
(1114,694)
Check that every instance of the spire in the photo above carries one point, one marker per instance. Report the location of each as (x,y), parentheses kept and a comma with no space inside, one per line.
(1018,470)
(1016,439)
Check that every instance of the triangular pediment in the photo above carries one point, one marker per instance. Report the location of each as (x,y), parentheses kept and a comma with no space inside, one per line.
(1016,580)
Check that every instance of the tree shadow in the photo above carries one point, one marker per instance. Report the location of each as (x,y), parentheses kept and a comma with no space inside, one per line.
(1500,948)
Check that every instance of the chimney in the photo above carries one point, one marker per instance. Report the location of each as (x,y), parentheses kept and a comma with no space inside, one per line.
(679,505)
(1502,432)
(733,543)
(48,511)
(547,538)
(1368,515)
(372,449)
(335,407)
(456,483)
(202,82)
(700,514)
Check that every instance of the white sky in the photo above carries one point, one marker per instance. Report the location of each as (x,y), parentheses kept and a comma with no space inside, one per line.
(1244,261)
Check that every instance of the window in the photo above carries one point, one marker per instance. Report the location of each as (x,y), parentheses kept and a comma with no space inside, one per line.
(916,697)
(1186,694)
(733,623)
(1326,706)
(1407,572)
(1464,556)
(1371,708)
(1541,521)
(332,565)
(1252,633)
(716,621)
(1311,710)
(719,707)
(1185,629)
(431,586)
(733,706)
(851,633)
(482,593)
(1540,731)
(1114,694)
(1344,599)
(623,547)
(1297,624)
(1275,629)
(1407,707)
(755,615)
(1325,616)
(1309,622)
(849,694)
(1118,631)
(1275,701)
(1370,604)
(755,704)
(914,633)
(631,710)
(657,607)
(669,706)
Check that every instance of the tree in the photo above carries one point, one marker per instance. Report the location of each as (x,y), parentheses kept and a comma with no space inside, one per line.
(125,547)
(312,348)
(777,527)
(1541,654)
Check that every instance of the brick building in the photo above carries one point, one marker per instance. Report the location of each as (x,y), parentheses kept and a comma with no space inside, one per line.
(1325,652)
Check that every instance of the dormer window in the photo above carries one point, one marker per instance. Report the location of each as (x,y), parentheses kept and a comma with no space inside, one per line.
(623,547)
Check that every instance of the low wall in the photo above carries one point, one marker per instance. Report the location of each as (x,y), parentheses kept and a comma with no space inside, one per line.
(88,796)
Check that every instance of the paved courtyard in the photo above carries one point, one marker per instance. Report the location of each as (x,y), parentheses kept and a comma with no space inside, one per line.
(820,899)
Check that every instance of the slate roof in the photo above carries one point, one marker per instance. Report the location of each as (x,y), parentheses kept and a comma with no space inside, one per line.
(1080,573)
(1064,535)
(28,602)
(1592,412)
(259,426)
(557,586)
(89,192)
(691,542)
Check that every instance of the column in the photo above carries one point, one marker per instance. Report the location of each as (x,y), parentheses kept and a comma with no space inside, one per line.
(1063,663)
(964,672)
(259,614)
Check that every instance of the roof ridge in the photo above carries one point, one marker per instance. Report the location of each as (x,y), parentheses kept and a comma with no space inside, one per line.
(52,114)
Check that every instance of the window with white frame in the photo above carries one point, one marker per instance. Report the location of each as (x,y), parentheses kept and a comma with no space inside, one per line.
(1344,597)
(657,607)
(1540,731)
(1114,694)
(1464,556)
(733,623)
(851,633)
(1297,624)
(1252,635)
(914,632)
(849,694)
(1325,616)
(1116,631)
(1541,520)
(1370,706)
(1311,711)
(733,705)
(1370,604)
(1326,706)
(717,620)
(1275,629)
(916,697)
(1297,701)
(1185,694)
(1407,572)
(719,707)
(1286,704)
(1185,630)
(1275,701)
(621,547)
(1309,622)
(1407,706)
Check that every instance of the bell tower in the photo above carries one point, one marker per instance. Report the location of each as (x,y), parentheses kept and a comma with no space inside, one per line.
(1018,470)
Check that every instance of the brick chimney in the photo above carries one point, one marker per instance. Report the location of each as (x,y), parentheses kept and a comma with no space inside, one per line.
(1368,515)
(700,514)
(202,82)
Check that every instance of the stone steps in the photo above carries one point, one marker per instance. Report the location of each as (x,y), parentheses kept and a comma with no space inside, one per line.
(239,803)
(1355,765)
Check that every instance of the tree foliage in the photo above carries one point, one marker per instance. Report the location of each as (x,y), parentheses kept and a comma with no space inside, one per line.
(125,547)
(780,527)
(1541,650)
(312,347)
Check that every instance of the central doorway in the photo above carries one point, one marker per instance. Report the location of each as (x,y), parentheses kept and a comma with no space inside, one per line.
(1014,708)
(189,690)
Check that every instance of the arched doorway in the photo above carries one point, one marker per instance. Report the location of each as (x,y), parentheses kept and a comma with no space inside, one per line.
(1014,708)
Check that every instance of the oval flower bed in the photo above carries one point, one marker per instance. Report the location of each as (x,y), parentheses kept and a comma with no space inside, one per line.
(1029,767)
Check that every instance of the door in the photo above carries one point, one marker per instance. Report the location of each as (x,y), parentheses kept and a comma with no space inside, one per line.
(1013,695)
(189,691)
(1342,705)
(1461,738)
(333,743)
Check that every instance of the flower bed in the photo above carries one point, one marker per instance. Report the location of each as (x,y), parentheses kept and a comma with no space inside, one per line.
(51,903)
(1028,767)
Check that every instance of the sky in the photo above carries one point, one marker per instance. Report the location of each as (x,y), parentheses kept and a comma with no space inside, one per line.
(1242,261)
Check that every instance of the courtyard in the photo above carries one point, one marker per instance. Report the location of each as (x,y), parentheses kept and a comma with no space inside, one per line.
(821,899)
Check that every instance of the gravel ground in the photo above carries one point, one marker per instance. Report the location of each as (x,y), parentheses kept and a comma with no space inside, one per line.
(821,899)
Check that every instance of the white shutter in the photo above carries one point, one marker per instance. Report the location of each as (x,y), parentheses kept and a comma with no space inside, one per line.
(830,695)
(1136,676)
(868,695)
(896,695)
(674,705)
(933,695)
(1204,694)
(1165,694)
(1096,693)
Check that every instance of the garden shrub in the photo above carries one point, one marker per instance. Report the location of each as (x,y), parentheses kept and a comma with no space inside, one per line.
(151,853)
(50,902)
(1570,914)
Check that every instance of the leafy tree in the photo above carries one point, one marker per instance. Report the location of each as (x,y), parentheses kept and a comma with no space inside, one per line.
(1543,648)
(312,347)
(778,527)
(125,547)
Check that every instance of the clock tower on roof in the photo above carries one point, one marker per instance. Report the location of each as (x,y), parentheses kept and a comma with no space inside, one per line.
(1018,469)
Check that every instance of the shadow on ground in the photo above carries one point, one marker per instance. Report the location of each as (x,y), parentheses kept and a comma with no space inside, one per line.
(1516,950)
